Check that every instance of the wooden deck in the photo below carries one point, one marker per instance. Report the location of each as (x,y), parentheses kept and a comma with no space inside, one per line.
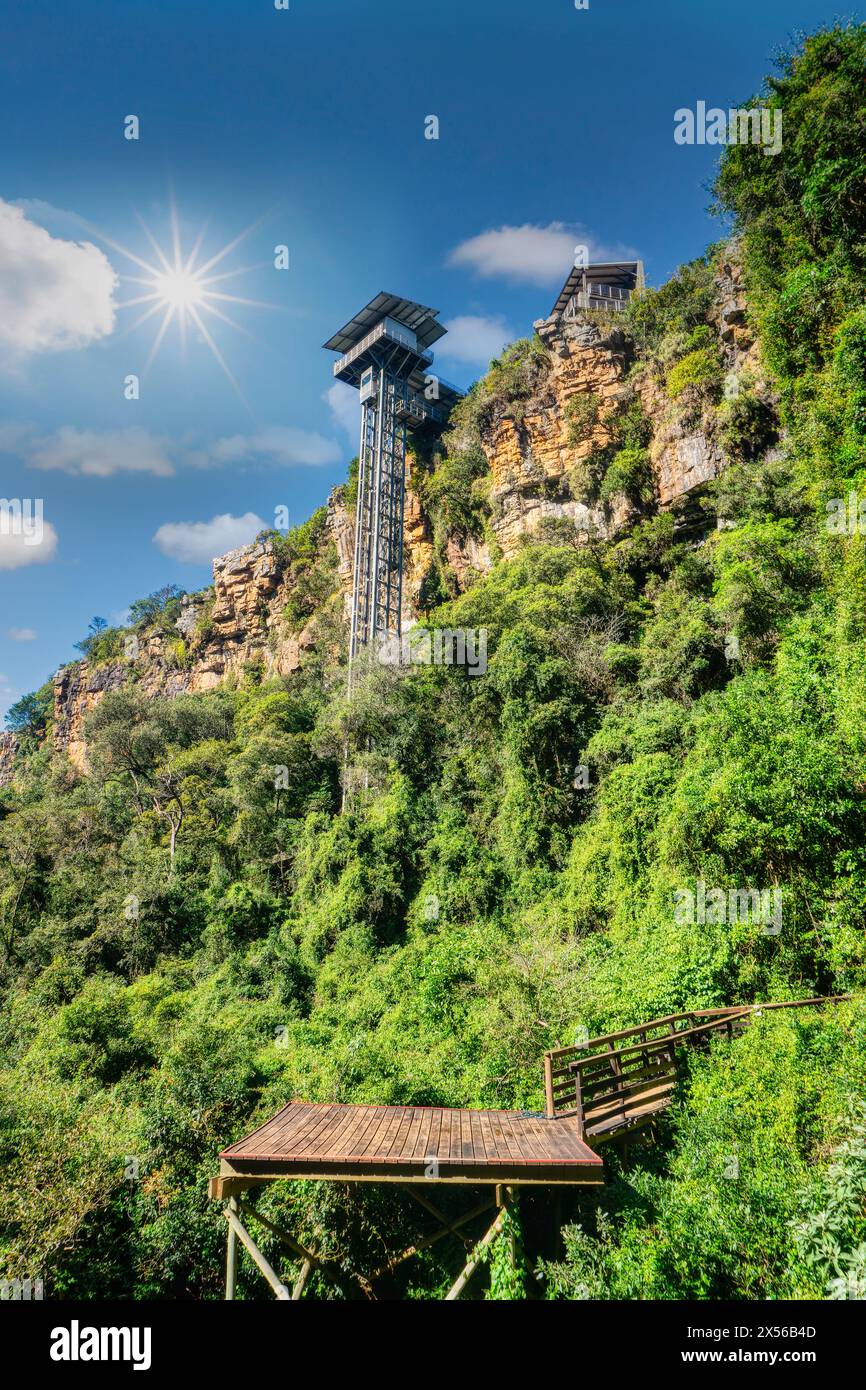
(404,1143)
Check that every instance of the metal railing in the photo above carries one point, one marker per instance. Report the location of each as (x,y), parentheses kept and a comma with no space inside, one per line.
(593,296)
(385,329)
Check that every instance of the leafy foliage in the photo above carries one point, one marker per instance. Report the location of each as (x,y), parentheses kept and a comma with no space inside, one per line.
(405,896)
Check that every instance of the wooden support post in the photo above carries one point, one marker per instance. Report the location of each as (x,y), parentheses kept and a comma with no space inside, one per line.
(557,1223)
(231,1256)
(256,1256)
(514,1251)
(578,1100)
(475,1258)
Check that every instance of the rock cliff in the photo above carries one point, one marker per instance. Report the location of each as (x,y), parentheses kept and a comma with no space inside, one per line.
(534,455)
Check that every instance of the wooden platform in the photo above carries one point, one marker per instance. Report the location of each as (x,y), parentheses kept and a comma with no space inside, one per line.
(404,1143)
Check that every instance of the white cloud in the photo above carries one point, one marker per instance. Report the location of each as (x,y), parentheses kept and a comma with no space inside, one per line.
(100,453)
(475,338)
(54,294)
(280,444)
(343,401)
(198,542)
(30,545)
(531,254)
(21,634)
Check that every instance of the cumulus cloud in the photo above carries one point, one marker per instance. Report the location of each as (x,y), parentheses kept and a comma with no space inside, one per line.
(474,338)
(343,401)
(21,634)
(531,254)
(34,543)
(54,294)
(100,453)
(279,444)
(198,542)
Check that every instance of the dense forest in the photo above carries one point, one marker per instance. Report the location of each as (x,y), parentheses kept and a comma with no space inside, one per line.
(429,897)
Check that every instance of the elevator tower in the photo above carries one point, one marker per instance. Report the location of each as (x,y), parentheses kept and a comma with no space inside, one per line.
(384,352)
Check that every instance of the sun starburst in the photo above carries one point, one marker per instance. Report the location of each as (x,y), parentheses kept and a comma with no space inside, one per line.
(181,289)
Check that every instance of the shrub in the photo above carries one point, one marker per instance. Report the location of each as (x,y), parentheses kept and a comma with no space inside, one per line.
(628,475)
(700,369)
(581,414)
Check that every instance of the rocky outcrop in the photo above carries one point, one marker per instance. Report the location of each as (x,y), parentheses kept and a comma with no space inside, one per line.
(218,635)
(533,454)
(8,750)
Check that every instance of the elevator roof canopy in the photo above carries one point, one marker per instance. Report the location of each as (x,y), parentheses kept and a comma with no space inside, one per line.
(418,317)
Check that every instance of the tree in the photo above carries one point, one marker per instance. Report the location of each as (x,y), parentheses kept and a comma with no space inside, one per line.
(30,714)
(164,602)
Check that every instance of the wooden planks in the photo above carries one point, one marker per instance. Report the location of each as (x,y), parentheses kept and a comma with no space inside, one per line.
(394,1141)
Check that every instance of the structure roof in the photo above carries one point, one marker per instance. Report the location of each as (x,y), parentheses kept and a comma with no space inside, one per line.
(418,317)
(626,275)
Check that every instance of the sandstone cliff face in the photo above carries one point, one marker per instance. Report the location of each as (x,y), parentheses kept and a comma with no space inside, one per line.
(533,457)
(216,637)
(8,749)
(685,450)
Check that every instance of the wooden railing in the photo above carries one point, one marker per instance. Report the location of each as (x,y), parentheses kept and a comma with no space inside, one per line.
(621,1080)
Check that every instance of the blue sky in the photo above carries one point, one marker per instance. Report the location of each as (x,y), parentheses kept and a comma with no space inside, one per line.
(305,126)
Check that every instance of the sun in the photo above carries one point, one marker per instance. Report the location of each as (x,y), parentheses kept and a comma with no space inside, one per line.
(182,289)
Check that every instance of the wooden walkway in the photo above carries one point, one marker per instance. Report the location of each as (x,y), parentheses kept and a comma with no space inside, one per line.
(622,1081)
(402,1143)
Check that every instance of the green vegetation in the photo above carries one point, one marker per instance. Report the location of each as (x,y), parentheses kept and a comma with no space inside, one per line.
(311,565)
(29,716)
(700,368)
(199,929)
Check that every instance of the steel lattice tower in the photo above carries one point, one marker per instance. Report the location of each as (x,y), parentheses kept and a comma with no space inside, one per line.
(384,352)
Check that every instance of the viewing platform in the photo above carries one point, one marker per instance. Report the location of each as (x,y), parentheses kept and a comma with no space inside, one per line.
(406,1143)
(606,286)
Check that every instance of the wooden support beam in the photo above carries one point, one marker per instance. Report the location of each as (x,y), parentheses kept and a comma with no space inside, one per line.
(231,1257)
(427,1241)
(307,1256)
(256,1255)
(448,1227)
(475,1259)
(218,1189)
(294,1245)
(300,1282)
